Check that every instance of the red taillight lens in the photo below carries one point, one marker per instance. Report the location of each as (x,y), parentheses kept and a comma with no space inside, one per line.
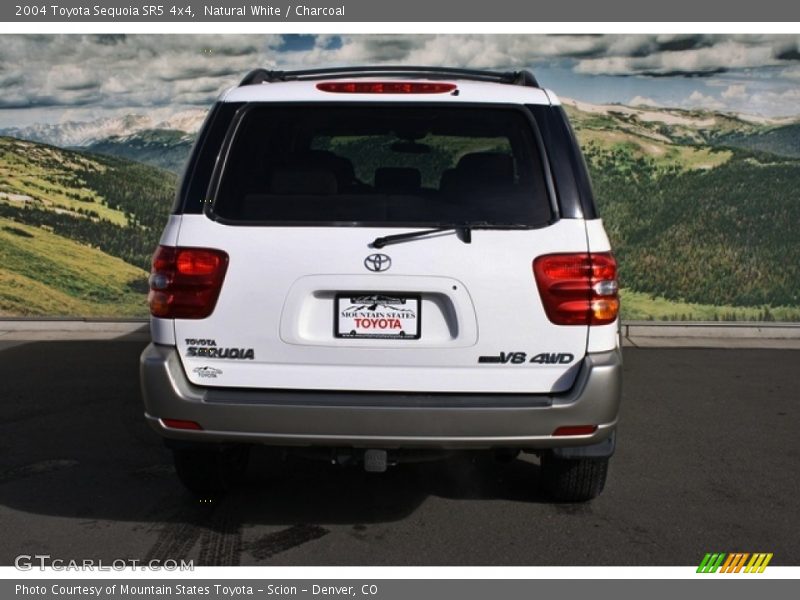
(575,430)
(181,424)
(578,289)
(198,262)
(385,87)
(185,282)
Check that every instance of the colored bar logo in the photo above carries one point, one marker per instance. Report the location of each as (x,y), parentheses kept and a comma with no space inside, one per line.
(735,562)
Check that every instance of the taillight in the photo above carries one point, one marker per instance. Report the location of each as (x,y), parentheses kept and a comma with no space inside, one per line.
(578,289)
(385,87)
(181,424)
(575,430)
(185,282)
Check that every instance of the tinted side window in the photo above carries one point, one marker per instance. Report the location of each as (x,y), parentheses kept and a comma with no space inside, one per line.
(570,175)
(197,174)
(383,164)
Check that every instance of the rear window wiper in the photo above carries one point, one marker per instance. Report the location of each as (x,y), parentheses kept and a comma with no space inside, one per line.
(464,232)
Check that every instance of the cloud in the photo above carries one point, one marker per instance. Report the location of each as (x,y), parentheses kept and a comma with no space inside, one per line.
(11,79)
(783,102)
(788,50)
(791,73)
(643,101)
(132,71)
(108,39)
(706,60)
(699,100)
(71,78)
(681,43)
(617,55)
(735,92)
(136,72)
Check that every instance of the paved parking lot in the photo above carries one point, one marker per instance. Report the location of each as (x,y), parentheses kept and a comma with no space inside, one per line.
(707,460)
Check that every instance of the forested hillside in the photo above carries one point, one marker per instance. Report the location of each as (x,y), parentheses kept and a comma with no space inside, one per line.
(115,205)
(783,140)
(76,231)
(725,235)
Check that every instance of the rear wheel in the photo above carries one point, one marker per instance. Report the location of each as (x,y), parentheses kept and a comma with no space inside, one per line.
(573,479)
(210,468)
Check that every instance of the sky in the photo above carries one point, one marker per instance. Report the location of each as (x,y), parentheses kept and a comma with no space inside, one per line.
(61,78)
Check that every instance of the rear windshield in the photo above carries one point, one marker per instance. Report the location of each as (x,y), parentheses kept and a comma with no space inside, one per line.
(382,165)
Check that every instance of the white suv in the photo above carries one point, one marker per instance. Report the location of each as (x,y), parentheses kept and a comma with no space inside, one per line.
(374,260)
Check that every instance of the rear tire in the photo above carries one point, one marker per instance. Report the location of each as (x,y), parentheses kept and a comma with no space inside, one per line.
(210,469)
(573,479)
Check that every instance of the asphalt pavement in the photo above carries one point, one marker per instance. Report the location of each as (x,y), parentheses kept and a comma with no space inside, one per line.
(707,460)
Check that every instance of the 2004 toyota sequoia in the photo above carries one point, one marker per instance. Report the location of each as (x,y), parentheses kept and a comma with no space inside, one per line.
(380,260)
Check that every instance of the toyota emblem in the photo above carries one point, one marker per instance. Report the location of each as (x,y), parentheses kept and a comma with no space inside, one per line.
(378,262)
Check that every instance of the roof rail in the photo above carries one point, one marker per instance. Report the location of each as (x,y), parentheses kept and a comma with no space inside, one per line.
(523,77)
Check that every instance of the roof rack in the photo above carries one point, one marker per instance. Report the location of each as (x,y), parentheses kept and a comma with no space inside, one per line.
(523,77)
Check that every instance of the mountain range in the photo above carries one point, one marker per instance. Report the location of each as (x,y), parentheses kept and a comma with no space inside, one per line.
(81,134)
(779,136)
(701,208)
(166,143)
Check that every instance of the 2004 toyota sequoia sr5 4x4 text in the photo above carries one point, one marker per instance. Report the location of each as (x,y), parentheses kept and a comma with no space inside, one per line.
(379,261)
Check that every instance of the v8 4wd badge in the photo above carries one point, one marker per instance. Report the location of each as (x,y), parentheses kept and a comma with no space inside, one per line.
(520,358)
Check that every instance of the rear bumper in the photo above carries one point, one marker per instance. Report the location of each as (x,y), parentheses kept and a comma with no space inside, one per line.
(382,420)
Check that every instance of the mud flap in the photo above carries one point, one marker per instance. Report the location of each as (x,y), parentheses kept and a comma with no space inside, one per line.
(604,449)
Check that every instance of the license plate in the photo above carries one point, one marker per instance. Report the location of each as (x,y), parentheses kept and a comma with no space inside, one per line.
(371,315)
